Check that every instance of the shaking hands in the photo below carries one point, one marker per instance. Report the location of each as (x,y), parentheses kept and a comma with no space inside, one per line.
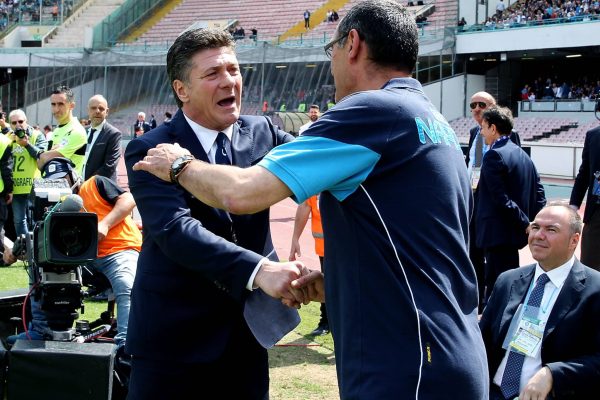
(291,282)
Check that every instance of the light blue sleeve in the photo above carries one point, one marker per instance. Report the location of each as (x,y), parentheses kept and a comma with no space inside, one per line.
(312,164)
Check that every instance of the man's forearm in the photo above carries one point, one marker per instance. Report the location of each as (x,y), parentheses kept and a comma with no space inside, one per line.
(122,208)
(47,156)
(237,190)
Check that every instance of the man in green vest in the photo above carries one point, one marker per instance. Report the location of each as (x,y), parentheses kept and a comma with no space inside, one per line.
(26,144)
(6,180)
(69,139)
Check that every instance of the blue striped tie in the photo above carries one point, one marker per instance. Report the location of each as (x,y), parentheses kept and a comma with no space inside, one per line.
(514,365)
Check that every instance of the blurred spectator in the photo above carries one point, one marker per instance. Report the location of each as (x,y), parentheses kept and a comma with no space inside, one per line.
(254,34)
(461,24)
(306,19)
(168,117)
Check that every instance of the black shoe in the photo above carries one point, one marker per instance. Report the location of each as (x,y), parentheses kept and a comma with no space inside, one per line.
(320,330)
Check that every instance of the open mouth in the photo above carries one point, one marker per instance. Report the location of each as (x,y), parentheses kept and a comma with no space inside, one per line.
(227,102)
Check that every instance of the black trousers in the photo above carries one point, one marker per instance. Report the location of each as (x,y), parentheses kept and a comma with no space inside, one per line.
(497,260)
(324,320)
(242,372)
(590,241)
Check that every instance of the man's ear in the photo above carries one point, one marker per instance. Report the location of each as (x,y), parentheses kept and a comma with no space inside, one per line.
(181,90)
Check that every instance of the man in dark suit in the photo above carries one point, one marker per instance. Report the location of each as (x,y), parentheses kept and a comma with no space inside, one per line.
(480,101)
(509,195)
(588,179)
(104,142)
(141,123)
(561,301)
(193,322)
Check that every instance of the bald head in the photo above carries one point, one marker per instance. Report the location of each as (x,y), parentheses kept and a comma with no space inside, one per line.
(97,109)
(480,101)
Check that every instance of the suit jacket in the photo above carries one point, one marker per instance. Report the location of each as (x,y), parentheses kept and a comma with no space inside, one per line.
(514,136)
(571,343)
(147,127)
(195,264)
(509,195)
(590,164)
(105,153)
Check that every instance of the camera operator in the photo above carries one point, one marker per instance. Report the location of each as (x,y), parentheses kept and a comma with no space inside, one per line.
(26,144)
(119,241)
(6,179)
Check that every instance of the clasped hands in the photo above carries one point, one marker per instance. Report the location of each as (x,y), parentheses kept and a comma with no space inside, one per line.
(292,282)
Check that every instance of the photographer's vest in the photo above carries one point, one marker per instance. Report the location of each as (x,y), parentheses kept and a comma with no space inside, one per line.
(123,236)
(4,143)
(317,228)
(25,168)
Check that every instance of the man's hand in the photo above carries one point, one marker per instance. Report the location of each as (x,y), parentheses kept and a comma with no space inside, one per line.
(8,198)
(158,160)
(538,386)
(23,142)
(312,283)
(8,257)
(102,231)
(295,250)
(275,280)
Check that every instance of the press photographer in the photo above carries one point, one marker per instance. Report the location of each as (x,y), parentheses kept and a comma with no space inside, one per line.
(27,143)
(6,180)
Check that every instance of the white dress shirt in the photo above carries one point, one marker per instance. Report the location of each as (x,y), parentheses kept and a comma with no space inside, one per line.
(208,140)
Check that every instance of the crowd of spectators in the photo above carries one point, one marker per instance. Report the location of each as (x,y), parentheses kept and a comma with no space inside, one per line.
(15,11)
(557,89)
(538,12)
(239,33)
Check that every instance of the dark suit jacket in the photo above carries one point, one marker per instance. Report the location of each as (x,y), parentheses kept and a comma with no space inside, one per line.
(105,153)
(571,344)
(147,127)
(509,195)
(590,164)
(514,136)
(190,286)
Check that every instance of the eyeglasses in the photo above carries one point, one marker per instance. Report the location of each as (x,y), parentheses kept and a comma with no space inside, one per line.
(15,122)
(481,105)
(329,46)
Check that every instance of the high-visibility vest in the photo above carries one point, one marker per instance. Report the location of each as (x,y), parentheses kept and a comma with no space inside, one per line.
(317,228)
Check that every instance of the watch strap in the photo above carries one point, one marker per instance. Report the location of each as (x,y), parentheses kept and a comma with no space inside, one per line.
(178,166)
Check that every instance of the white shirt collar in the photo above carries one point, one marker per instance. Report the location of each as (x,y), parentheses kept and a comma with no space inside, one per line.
(206,136)
(99,127)
(558,275)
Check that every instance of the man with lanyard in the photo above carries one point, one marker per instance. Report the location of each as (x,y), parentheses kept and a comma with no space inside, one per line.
(69,139)
(26,144)
(540,326)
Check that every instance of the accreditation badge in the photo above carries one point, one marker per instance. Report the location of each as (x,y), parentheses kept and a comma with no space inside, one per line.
(527,334)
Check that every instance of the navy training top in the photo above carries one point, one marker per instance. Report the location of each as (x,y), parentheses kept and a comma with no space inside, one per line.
(401,291)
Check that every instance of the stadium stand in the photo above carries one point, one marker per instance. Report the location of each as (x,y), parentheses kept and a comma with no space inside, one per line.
(72,32)
(270,19)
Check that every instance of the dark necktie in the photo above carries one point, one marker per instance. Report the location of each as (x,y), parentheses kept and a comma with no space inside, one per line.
(91,135)
(478,150)
(221,156)
(511,378)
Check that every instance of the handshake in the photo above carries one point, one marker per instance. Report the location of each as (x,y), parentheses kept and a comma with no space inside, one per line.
(291,282)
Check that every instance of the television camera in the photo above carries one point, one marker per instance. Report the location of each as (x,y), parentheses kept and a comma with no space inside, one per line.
(62,241)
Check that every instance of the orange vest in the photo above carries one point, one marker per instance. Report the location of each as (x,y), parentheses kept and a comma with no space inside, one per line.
(123,236)
(317,228)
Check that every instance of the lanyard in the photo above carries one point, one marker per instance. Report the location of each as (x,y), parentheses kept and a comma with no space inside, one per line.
(544,309)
